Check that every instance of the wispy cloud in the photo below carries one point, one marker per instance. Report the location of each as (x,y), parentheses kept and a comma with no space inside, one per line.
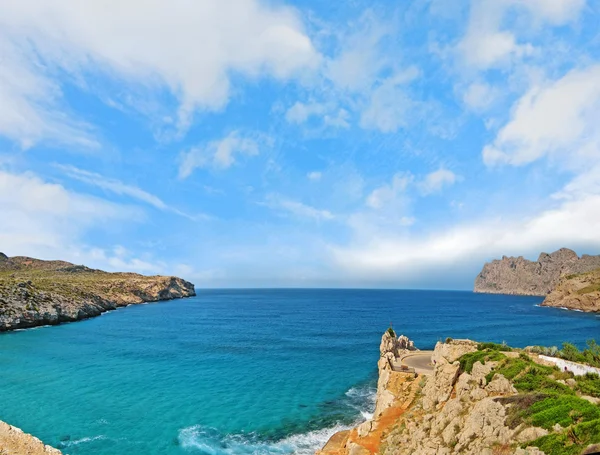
(222,153)
(297,208)
(120,188)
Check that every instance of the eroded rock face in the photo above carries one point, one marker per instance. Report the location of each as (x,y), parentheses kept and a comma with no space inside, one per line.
(449,412)
(520,276)
(452,350)
(35,292)
(577,292)
(15,441)
(459,412)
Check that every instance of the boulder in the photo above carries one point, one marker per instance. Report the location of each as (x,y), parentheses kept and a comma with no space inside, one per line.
(500,386)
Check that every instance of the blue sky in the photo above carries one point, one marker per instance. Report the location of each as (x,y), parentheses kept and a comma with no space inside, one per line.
(270,143)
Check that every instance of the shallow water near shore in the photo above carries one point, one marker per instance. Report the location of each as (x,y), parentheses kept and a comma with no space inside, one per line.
(240,371)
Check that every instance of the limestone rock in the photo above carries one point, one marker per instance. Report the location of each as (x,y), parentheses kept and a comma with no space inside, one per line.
(531,433)
(438,389)
(480,371)
(592,449)
(365,428)
(577,292)
(453,350)
(519,276)
(35,292)
(14,441)
(529,451)
(499,385)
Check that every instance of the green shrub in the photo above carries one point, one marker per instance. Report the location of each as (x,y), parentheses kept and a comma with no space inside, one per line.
(562,409)
(391,332)
(571,441)
(589,384)
(494,347)
(448,340)
(468,360)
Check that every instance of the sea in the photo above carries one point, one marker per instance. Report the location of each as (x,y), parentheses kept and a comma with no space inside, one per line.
(241,371)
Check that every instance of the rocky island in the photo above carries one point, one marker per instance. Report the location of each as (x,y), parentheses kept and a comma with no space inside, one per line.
(35,292)
(479,399)
(519,276)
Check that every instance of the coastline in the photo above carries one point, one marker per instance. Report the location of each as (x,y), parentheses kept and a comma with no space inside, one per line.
(466,406)
(13,440)
(35,293)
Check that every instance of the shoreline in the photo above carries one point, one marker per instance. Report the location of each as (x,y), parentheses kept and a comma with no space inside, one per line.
(16,441)
(101,312)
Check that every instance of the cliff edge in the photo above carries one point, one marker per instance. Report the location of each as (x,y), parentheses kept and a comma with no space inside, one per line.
(519,276)
(577,292)
(15,441)
(481,399)
(35,292)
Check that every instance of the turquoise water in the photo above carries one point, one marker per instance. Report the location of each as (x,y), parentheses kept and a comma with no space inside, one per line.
(240,371)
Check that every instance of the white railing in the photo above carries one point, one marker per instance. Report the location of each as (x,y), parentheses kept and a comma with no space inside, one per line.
(578,369)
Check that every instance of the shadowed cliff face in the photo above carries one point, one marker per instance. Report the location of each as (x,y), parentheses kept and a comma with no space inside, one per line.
(519,276)
(35,292)
(577,292)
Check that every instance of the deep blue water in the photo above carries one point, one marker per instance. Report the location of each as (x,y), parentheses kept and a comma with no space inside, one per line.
(240,371)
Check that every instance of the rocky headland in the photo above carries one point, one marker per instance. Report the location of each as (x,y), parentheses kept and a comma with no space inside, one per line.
(479,399)
(13,441)
(519,276)
(35,292)
(576,292)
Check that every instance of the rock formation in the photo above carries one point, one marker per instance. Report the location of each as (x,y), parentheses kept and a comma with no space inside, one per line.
(520,276)
(35,292)
(14,441)
(453,411)
(577,292)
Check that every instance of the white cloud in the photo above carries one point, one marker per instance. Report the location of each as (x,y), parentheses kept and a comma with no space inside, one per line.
(30,108)
(118,187)
(314,175)
(297,208)
(332,116)
(556,118)
(573,222)
(300,112)
(557,12)
(388,193)
(192,48)
(479,96)
(219,154)
(390,106)
(486,45)
(359,59)
(43,219)
(437,180)
(47,221)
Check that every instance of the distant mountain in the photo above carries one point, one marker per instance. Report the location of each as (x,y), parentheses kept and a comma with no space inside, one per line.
(35,292)
(519,276)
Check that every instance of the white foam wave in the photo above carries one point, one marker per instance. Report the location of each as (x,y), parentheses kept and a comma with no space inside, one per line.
(209,441)
(198,439)
(32,328)
(76,442)
(366,415)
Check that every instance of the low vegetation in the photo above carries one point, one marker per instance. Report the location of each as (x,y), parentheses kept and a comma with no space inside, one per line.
(547,397)
(590,355)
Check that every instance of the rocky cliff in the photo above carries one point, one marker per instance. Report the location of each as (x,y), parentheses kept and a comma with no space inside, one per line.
(577,292)
(35,292)
(14,442)
(520,276)
(478,400)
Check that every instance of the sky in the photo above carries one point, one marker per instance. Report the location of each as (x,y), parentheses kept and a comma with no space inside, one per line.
(255,143)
